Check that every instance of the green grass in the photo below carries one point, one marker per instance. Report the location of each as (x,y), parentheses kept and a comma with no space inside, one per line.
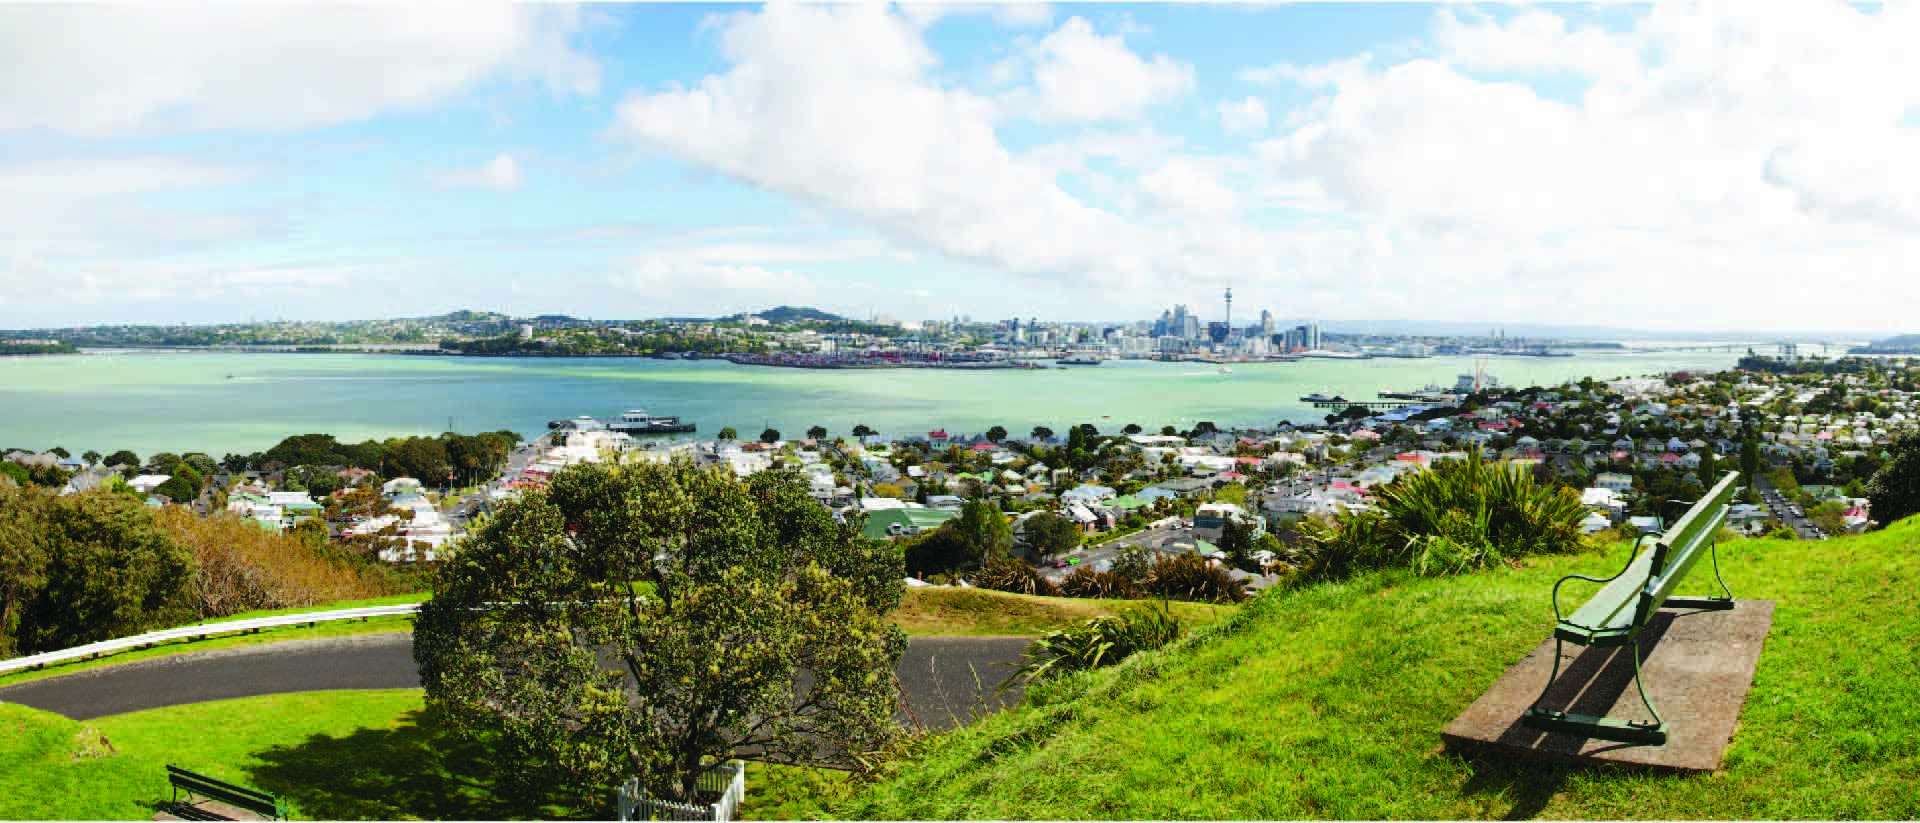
(350,755)
(1328,702)
(983,613)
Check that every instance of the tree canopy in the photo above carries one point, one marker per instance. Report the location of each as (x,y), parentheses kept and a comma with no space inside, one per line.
(632,621)
(1894,492)
(1050,534)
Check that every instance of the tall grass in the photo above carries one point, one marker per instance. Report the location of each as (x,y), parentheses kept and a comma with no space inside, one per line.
(1459,516)
(241,567)
(1102,641)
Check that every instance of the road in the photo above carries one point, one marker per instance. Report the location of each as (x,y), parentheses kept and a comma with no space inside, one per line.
(1782,510)
(936,676)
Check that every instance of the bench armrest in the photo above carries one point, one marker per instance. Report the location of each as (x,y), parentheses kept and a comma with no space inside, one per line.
(1623,570)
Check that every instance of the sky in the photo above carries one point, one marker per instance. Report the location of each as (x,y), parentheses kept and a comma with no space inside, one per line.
(1716,166)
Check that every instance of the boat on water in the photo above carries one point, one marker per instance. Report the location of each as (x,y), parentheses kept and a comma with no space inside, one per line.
(1432,393)
(634,421)
(1226,370)
(1321,397)
(1079,360)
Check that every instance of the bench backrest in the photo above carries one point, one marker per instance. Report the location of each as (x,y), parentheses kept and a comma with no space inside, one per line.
(1684,544)
(252,800)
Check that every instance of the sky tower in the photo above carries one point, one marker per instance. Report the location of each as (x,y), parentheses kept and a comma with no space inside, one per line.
(1229,309)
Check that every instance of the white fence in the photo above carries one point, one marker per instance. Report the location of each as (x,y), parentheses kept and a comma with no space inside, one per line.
(199,632)
(726,783)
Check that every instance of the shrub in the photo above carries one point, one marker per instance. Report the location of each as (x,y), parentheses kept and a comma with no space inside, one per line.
(1009,575)
(1132,563)
(1103,641)
(1187,576)
(243,567)
(1085,582)
(1461,515)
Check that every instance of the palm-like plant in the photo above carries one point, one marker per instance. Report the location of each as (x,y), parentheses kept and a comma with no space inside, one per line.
(1462,515)
(1102,641)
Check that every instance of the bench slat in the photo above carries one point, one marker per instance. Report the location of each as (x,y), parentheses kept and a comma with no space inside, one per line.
(196,784)
(1611,608)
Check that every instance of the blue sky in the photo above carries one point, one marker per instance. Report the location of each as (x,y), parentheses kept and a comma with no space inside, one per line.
(1732,167)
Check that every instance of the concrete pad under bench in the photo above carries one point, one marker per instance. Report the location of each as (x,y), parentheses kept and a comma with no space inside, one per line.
(1697,665)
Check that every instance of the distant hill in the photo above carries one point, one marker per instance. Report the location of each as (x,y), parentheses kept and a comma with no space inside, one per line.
(798,314)
(1898,344)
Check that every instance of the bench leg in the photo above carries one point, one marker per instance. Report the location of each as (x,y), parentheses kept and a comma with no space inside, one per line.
(1707,603)
(1604,728)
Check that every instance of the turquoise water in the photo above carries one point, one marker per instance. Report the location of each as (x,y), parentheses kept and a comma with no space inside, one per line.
(219,403)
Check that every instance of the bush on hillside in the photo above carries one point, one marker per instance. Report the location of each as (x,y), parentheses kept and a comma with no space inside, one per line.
(1085,582)
(1005,574)
(1187,576)
(243,567)
(1103,641)
(1459,516)
(84,568)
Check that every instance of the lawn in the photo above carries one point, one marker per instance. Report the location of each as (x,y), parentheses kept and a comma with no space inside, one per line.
(983,613)
(350,755)
(1328,703)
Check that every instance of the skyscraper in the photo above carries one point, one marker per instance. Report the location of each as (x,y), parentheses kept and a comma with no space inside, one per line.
(1266,323)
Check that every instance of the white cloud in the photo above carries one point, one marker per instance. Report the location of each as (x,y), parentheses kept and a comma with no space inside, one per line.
(1009,14)
(832,106)
(1188,186)
(705,279)
(101,71)
(1080,76)
(501,174)
(1725,161)
(1244,117)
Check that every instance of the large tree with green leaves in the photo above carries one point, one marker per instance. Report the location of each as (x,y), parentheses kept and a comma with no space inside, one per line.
(985,530)
(639,620)
(1894,491)
(110,571)
(1050,534)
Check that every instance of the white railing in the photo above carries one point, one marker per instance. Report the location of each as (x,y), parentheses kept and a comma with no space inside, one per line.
(726,783)
(199,632)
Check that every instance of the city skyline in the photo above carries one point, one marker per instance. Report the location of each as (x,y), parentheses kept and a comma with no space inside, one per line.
(1622,166)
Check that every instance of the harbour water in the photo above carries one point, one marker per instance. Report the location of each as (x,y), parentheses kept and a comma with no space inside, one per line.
(233,402)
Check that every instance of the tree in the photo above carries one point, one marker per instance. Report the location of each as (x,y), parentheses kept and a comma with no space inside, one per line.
(63,453)
(1050,534)
(861,430)
(816,433)
(202,464)
(996,434)
(1894,491)
(1750,459)
(1709,466)
(984,530)
(770,436)
(183,487)
(122,458)
(1042,433)
(110,572)
(728,433)
(1131,428)
(165,463)
(1169,431)
(888,490)
(92,457)
(1237,541)
(1132,563)
(23,557)
(639,620)
(15,472)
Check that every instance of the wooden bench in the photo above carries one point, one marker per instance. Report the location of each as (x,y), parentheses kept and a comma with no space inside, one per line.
(207,788)
(1627,601)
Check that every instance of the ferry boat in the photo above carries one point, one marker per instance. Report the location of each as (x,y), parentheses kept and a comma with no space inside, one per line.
(637,421)
(1321,397)
(1079,360)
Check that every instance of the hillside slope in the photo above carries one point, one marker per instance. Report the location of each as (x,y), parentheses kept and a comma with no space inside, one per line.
(1328,703)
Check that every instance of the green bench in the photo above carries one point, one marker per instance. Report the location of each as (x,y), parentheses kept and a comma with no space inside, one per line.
(207,788)
(1627,602)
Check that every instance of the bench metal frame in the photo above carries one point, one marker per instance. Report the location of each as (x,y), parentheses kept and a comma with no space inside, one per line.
(1653,578)
(241,797)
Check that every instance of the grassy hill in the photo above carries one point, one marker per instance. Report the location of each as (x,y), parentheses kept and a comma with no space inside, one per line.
(1328,703)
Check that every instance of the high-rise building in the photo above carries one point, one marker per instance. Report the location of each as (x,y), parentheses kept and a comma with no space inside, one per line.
(1218,332)
(1179,326)
(1305,336)
(1266,323)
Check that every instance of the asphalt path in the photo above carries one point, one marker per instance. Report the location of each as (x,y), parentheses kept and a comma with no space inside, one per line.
(937,676)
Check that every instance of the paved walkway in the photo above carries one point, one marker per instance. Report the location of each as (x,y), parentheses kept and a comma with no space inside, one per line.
(936,675)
